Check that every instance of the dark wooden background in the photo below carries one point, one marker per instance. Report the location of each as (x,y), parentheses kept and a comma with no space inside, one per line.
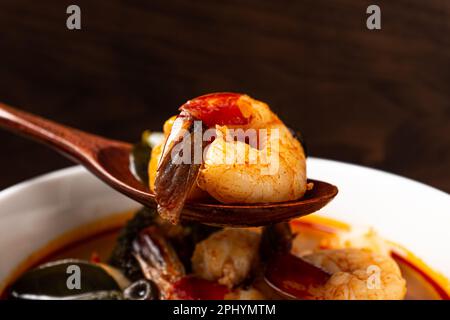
(376,98)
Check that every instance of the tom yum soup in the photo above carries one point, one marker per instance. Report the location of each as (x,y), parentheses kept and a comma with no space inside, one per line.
(158,255)
(150,258)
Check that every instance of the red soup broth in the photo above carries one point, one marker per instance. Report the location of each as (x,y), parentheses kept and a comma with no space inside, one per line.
(88,243)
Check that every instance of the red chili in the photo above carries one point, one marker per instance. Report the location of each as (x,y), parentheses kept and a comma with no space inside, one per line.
(193,288)
(216,109)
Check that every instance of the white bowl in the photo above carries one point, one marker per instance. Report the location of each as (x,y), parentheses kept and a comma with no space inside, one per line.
(416,216)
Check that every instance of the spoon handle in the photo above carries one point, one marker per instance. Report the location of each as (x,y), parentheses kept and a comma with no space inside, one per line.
(79,146)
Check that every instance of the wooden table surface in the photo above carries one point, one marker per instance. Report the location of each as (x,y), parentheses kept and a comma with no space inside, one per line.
(376,98)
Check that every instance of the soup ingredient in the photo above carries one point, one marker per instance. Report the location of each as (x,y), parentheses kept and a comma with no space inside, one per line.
(272,168)
(72,279)
(150,247)
(361,238)
(140,157)
(160,264)
(195,288)
(251,156)
(293,277)
(51,280)
(122,256)
(157,259)
(175,174)
(288,275)
(227,256)
(346,273)
(141,290)
(357,275)
(183,238)
(157,150)
(222,108)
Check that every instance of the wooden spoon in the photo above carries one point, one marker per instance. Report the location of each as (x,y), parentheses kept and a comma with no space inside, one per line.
(109,160)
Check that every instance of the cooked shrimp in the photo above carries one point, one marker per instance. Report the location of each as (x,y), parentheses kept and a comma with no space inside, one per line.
(361,238)
(229,175)
(253,157)
(356,237)
(237,180)
(357,274)
(227,256)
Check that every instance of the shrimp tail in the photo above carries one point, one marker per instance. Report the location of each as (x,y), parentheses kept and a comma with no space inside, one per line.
(157,259)
(177,170)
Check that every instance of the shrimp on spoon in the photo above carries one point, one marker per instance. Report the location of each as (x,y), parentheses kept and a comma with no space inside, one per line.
(254,179)
(247,156)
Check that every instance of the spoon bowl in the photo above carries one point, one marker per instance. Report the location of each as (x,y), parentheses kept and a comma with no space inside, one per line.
(109,160)
(211,211)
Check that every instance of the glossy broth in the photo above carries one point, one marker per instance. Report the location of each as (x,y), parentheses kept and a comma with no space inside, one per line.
(99,247)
